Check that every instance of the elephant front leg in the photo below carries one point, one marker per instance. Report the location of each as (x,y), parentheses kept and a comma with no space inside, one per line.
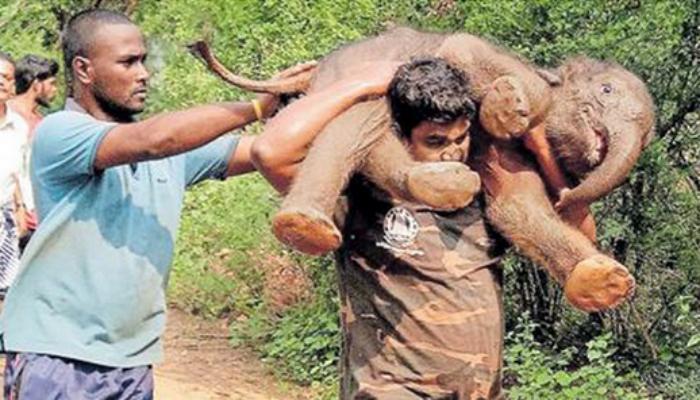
(518,206)
(579,216)
(439,185)
(598,283)
(304,221)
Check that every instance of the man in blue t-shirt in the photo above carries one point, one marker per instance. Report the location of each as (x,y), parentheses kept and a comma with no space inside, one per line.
(86,315)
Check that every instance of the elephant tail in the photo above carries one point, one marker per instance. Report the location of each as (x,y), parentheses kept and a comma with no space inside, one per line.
(293,80)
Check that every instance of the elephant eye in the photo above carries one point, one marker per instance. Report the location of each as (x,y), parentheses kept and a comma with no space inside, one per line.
(607,88)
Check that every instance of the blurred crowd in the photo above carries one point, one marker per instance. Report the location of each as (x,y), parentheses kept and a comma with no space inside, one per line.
(27,87)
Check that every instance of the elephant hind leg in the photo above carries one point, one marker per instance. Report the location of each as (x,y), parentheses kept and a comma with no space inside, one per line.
(443,185)
(307,230)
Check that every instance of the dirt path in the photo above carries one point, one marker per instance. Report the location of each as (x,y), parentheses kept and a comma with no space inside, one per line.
(201,365)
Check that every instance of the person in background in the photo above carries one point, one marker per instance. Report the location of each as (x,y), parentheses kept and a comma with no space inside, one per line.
(13,141)
(35,86)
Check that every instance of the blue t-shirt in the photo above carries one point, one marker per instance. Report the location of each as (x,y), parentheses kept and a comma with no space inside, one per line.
(93,278)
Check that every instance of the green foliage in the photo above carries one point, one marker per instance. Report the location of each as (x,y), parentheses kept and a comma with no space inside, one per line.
(545,373)
(303,343)
(675,386)
(223,226)
(306,341)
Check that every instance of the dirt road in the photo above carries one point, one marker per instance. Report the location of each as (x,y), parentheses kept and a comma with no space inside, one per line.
(201,365)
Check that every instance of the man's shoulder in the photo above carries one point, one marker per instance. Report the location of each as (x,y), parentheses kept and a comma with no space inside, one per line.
(63,118)
(18,121)
(58,125)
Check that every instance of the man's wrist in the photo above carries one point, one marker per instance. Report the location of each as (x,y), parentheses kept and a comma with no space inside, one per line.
(257,109)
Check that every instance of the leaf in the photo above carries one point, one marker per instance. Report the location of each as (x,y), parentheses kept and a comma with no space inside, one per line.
(694,341)
(563,378)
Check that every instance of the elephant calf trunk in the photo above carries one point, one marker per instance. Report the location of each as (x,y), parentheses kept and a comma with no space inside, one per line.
(621,157)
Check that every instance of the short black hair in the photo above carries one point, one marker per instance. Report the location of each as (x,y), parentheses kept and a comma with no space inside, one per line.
(31,68)
(428,89)
(76,38)
(6,57)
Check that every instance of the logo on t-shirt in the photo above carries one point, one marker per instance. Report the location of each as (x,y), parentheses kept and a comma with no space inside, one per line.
(400,231)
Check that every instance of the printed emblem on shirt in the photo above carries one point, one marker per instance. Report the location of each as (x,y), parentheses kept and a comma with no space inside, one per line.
(400,232)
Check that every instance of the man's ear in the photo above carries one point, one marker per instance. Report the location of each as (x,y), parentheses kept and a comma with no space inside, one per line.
(82,69)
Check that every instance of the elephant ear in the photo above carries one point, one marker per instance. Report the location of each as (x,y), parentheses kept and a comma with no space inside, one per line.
(551,77)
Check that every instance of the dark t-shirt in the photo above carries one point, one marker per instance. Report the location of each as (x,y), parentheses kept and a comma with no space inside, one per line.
(421,300)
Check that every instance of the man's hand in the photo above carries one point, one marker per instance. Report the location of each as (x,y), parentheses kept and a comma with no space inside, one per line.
(268,104)
(20,210)
(375,77)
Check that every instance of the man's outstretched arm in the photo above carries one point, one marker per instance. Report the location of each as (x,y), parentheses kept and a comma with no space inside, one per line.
(171,133)
(283,145)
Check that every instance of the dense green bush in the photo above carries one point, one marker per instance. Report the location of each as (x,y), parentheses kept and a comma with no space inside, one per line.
(536,372)
(650,223)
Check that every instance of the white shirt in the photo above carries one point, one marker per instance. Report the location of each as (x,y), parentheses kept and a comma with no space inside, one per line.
(25,184)
(14,153)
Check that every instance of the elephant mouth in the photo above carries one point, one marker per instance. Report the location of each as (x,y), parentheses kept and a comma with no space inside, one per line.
(600,148)
(597,148)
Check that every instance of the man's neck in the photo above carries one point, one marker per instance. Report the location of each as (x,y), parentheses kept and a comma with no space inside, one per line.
(3,111)
(26,105)
(91,106)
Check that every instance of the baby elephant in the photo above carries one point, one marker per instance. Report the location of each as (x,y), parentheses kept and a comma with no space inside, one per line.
(597,117)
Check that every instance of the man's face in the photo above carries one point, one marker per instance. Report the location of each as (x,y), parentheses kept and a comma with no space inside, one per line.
(46,91)
(431,141)
(119,78)
(7,81)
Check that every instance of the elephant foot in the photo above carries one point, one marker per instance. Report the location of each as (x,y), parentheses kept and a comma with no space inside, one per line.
(306,230)
(443,185)
(505,110)
(598,283)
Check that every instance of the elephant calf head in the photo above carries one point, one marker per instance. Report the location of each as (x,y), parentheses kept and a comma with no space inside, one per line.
(601,119)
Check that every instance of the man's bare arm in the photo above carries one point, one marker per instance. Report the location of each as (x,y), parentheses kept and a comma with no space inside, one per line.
(278,152)
(170,133)
(580,216)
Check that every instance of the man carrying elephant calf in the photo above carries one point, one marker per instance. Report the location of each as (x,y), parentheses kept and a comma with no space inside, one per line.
(420,290)
(407,331)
